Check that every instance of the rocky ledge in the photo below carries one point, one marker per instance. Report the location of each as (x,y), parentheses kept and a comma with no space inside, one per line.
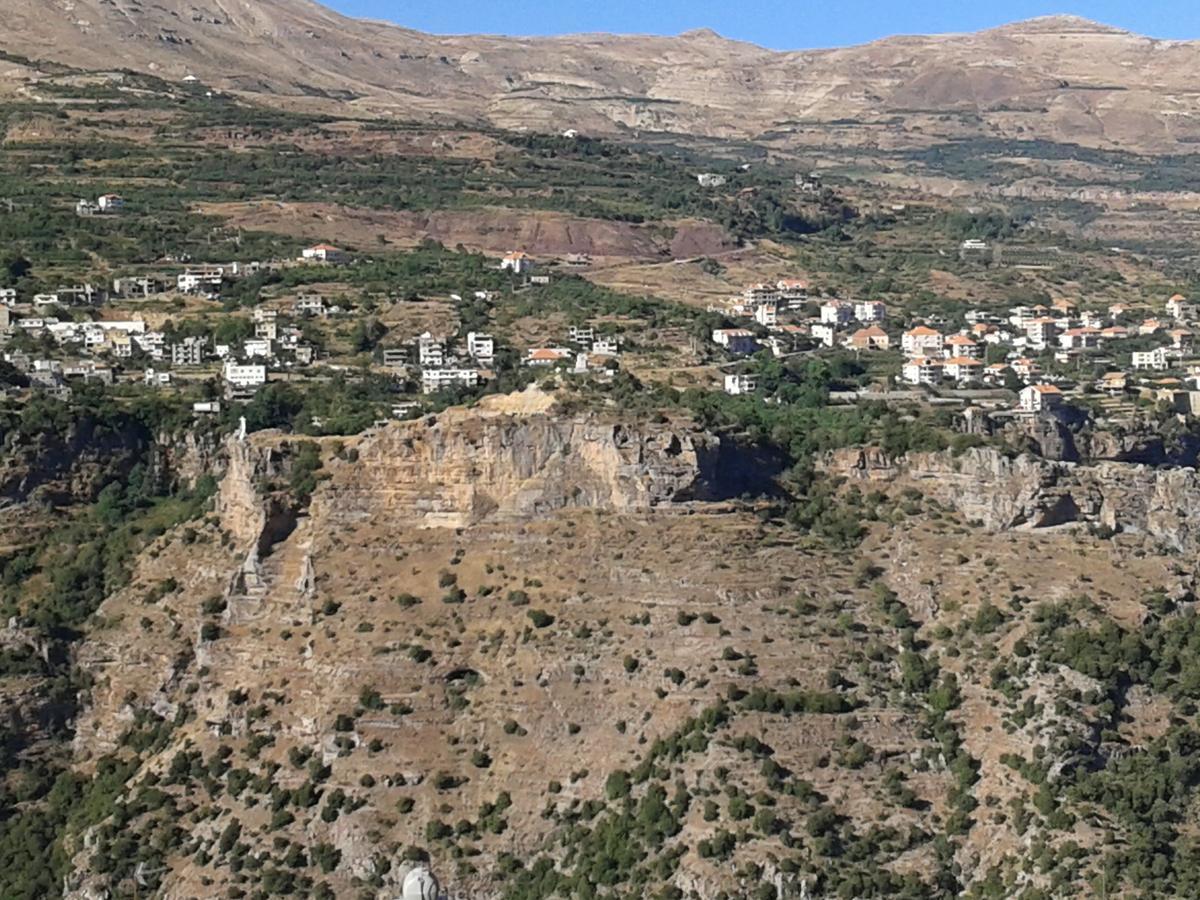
(1004,492)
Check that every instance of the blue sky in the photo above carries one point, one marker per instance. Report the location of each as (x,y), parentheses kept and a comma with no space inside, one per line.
(798,24)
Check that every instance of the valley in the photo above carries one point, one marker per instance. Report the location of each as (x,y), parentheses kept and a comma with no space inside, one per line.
(595,466)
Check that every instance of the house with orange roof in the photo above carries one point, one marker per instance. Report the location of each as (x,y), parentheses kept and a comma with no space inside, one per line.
(960,345)
(1041,331)
(518,262)
(1024,367)
(1112,383)
(1181,339)
(1179,309)
(962,368)
(922,370)
(870,338)
(547,356)
(1150,326)
(1039,397)
(995,373)
(323,253)
(1079,339)
(921,341)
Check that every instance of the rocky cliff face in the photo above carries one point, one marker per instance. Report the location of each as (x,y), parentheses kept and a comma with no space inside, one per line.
(466,466)
(1003,492)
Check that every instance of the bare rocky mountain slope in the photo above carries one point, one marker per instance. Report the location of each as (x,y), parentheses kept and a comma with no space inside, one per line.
(502,638)
(1058,79)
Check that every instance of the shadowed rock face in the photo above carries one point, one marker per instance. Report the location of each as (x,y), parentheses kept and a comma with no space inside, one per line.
(1059,78)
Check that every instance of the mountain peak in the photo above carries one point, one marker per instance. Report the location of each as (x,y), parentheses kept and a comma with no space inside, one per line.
(701,34)
(1060,24)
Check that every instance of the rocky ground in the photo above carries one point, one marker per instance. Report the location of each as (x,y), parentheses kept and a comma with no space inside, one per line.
(476,623)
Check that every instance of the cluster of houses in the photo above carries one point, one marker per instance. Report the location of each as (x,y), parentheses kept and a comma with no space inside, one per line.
(93,349)
(99,345)
(1061,332)
(442,364)
(995,350)
(837,323)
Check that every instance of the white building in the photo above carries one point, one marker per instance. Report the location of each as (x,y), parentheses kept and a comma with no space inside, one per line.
(922,370)
(323,253)
(431,352)
(481,347)
(1041,331)
(767,315)
(960,345)
(1179,308)
(311,305)
(711,180)
(826,334)
(516,262)
(1038,397)
(257,348)
(962,369)
(920,341)
(605,347)
(266,324)
(737,385)
(152,343)
(110,203)
(245,376)
(188,352)
(870,311)
(1155,360)
(581,335)
(735,340)
(836,312)
(156,379)
(201,281)
(434,380)
(8,296)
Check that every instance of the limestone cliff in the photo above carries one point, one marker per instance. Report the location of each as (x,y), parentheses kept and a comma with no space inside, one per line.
(465,466)
(1004,492)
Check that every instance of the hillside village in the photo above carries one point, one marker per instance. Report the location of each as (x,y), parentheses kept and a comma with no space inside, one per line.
(1032,359)
(645,517)
(1069,358)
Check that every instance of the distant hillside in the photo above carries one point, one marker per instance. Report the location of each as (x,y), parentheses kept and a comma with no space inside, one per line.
(1057,79)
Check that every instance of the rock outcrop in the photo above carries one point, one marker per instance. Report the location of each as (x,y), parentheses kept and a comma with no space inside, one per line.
(465,466)
(1002,492)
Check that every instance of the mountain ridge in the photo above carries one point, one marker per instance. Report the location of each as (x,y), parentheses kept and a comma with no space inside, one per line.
(1061,79)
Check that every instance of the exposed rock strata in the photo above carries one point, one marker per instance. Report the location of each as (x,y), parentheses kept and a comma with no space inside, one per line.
(1003,492)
